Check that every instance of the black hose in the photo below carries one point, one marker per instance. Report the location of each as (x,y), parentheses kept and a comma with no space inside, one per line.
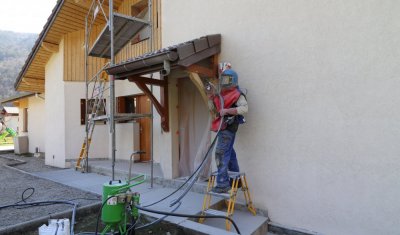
(160,219)
(132,227)
(186,181)
(46,203)
(195,173)
(190,216)
(99,213)
(200,167)
(23,199)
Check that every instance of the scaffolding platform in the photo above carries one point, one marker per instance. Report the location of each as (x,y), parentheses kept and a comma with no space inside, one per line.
(122,117)
(125,28)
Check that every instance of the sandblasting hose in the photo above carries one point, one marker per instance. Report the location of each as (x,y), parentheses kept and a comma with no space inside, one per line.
(189,216)
(45,203)
(193,178)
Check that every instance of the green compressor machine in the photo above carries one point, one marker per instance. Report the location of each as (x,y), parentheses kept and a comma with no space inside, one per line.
(119,204)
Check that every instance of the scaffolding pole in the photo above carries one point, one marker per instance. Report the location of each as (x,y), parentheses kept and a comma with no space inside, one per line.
(89,21)
(112,90)
(150,6)
(86,166)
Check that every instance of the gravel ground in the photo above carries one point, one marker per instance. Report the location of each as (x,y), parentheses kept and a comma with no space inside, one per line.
(13,183)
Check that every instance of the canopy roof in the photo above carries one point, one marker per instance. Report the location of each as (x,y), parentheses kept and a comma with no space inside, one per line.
(178,56)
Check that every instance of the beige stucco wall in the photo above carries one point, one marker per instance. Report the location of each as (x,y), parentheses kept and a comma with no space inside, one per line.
(55,110)
(320,146)
(75,132)
(23,103)
(166,150)
(36,123)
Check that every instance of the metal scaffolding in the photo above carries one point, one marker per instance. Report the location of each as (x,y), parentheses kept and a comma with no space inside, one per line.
(118,31)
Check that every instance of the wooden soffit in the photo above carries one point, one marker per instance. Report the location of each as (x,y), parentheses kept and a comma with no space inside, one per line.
(67,16)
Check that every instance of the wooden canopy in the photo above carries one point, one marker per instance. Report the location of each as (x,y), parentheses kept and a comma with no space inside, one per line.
(197,56)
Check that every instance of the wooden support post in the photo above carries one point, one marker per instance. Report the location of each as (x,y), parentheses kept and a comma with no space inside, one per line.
(199,85)
(162,105)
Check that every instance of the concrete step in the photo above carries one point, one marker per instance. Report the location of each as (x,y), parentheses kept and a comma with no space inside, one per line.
(192,203)
(215,212)
(220,195)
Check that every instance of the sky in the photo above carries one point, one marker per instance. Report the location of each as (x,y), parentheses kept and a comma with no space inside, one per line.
(25,16)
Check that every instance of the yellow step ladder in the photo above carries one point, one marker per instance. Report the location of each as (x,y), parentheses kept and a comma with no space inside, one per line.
(81,162)
(238,179)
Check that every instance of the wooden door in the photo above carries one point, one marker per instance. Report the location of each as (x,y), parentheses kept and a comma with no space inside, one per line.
(143,106)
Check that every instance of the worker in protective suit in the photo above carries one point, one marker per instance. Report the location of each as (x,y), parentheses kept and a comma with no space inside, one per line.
(231,115)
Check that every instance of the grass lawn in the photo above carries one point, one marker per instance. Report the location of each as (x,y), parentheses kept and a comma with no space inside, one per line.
(7,141)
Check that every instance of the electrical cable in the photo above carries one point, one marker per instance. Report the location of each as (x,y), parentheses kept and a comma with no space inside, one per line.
(190,216)
(159,219)
(186,181)
(193,178)
(46,203)
(19,205)
(197,171)
(99,213)
(23,199)
(134,224)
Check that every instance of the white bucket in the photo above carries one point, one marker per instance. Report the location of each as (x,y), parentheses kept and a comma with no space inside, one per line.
(56,226)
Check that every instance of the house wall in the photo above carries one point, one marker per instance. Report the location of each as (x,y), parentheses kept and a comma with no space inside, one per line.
(36,124)
(55,110)
(166,150)
(75,132)
(320,146)
(23,103)
(74,55)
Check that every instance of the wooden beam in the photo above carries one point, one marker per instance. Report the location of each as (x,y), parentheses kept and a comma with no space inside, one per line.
(137,9)
(25,87)
(50,47)
(32,81)
(73,7)
(164,102)
(148,81)
(214,64)
(162,106)
(199,85)
(194,68)
(86,4)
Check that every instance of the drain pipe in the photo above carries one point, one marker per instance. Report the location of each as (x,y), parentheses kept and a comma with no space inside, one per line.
(167,68)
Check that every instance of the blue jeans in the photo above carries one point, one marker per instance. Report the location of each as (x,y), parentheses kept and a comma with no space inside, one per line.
(225,157)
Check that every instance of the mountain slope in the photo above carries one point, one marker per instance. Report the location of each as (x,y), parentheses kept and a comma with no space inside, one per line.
(14,50)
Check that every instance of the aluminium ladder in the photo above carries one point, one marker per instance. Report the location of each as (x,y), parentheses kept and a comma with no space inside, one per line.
(97,103)
(238,180)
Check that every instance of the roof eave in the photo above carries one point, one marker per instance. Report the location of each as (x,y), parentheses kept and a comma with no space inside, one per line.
(38,43)
(17,97)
